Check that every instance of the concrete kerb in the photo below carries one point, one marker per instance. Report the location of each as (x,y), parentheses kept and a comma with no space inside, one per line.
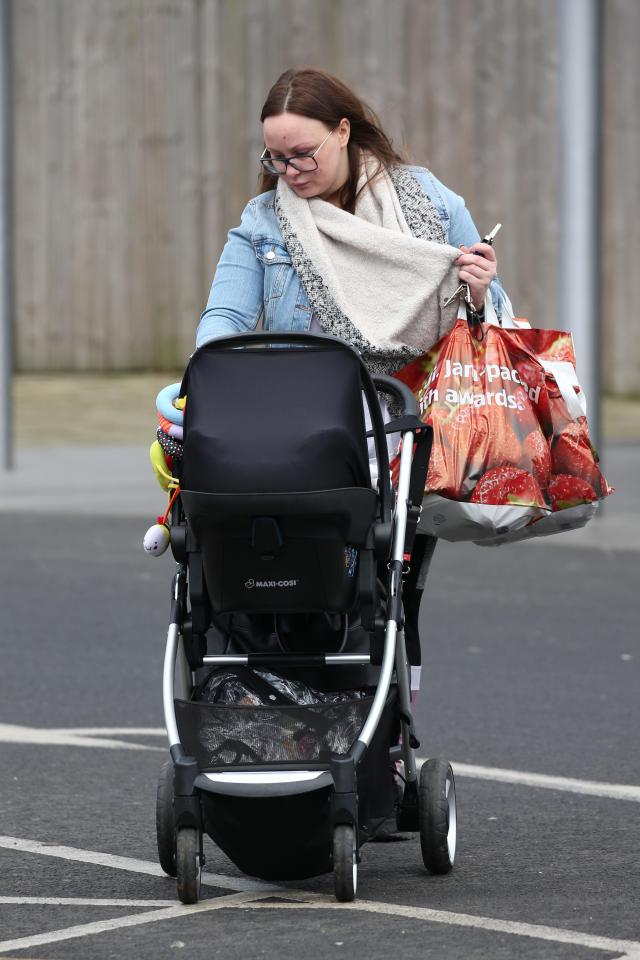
(62,468)
(83,480)
(117,481)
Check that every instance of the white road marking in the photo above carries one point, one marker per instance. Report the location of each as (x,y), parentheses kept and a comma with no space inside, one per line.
(133,920)
(298,900)
(130,864)
(591,788)
(100,737)
(11,733)
(630,948)
(113,731)
(84,902)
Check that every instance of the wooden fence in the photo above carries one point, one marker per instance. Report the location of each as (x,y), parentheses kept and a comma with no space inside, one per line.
(137,132)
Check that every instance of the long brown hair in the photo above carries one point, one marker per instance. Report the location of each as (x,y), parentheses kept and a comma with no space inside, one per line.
(320,96)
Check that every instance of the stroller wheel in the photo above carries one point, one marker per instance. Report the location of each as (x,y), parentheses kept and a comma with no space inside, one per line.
(188,870)
(165,826)
(345,862)
(437,812)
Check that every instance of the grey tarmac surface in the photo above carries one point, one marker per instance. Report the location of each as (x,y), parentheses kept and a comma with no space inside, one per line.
(531,663)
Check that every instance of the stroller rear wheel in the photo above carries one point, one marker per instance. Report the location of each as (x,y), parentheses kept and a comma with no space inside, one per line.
(188,869)
(345,862)
(437,812)
(165,824)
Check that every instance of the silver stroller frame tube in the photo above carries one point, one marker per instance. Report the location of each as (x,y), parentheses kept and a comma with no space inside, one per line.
(168,684)
(176,673)
(391,654)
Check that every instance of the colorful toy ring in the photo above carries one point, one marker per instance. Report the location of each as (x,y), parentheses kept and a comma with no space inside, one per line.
(165,404)
(171,428)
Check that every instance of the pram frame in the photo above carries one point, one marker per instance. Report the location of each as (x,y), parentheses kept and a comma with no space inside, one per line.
(341,772)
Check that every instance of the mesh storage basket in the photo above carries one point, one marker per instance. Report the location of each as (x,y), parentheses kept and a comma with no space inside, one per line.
(234,735)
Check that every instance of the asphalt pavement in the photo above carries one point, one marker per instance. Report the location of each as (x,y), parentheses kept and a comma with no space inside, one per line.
(530,688)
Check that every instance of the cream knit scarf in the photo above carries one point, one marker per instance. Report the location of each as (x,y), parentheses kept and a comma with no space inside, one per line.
(374,279)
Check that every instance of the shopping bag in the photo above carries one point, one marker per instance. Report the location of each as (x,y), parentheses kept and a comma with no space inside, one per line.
(511,455)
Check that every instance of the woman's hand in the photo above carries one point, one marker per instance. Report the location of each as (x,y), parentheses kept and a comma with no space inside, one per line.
(478,267)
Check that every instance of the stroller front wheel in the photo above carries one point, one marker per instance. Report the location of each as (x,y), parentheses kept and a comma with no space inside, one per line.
(188,869)
(345,862)
(437,812)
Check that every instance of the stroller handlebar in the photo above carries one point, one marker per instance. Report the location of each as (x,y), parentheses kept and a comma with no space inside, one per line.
(399,390)
(258,338)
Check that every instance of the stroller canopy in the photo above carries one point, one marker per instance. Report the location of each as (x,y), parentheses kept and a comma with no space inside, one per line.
(280,419)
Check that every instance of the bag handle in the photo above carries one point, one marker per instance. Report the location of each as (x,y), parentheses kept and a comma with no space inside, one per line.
(565,376)
(508,320)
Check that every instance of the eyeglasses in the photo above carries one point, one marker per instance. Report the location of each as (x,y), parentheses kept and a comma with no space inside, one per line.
(303,162)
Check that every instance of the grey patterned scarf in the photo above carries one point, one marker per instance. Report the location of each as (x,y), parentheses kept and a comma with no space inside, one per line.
(377,280)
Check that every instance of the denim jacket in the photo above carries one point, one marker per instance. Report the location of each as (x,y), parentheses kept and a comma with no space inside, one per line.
(255,281)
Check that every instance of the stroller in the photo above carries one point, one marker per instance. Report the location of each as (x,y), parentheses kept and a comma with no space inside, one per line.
(289,573)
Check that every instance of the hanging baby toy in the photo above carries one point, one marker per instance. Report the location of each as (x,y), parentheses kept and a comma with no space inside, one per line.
(166,448)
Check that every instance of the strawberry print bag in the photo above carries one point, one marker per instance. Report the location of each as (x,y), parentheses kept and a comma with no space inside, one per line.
(511,455)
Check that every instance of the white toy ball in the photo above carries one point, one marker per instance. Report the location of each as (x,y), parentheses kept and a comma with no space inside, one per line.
(156,540)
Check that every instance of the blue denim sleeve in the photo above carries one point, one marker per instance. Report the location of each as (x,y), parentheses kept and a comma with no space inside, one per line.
(235,302)
(462,229)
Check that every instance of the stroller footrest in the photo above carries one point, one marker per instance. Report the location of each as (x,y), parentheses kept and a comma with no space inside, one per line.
(264,783)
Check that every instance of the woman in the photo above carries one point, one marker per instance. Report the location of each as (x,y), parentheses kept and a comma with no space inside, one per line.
(348,239)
